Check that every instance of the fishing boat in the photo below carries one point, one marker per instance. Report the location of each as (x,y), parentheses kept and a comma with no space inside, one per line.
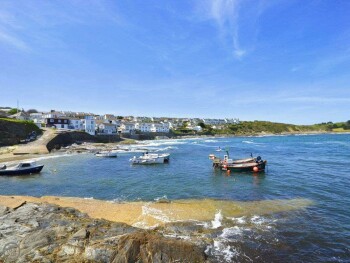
(255,164)
(23,168)
(151,158)
(110,154)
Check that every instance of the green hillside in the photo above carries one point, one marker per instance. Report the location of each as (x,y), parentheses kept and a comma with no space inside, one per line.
(12,131)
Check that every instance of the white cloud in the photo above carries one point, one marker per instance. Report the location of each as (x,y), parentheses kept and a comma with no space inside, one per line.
(13,41)
(226,15)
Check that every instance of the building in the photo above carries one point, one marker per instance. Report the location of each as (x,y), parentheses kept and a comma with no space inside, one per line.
(128,127)
(107,128)
(58,123)
(20,116)
(89,124)
(75,123)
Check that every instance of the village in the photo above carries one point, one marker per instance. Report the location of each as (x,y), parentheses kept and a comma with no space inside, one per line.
(109,124)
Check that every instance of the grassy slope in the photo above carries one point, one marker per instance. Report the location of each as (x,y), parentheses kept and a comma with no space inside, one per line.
(12,131)
(261,127)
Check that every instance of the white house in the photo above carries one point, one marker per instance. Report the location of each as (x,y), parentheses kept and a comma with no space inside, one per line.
(89,124)
(160,127)
(53,115)
(107,128)
(75,124)
(128,127)
(145,127)
(197,128)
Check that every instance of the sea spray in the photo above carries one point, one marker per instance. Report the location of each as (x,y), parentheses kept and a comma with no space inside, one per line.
(216,223)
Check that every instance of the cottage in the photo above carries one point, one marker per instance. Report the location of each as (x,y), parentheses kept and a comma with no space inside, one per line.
(107,128)
(58,123)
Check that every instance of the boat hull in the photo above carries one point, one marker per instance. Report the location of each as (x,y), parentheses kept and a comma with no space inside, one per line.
(246,167)
(31,170)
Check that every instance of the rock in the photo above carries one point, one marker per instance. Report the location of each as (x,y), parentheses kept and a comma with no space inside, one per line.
(81,234)
(49,233)
(4,210)
(152,247)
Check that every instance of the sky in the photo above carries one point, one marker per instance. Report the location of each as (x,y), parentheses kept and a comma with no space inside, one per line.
(284,60)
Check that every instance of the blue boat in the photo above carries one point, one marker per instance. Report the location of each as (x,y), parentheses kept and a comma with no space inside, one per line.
(23,168)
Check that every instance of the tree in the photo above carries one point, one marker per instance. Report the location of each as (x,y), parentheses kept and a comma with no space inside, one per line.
(202,125)
(13,111)
(32,111)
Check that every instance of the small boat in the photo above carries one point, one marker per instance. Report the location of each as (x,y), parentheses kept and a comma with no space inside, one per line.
(255,164)
(218,149)
(151,158)
(110,154)
(28,167)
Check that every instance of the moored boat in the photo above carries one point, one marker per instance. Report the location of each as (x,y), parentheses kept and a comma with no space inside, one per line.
(255,164)
(23,168)
(151,158)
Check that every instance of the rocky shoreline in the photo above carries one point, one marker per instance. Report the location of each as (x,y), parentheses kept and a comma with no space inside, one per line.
(42,232)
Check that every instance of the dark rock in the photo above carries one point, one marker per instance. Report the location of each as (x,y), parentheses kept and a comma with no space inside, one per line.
(48,233)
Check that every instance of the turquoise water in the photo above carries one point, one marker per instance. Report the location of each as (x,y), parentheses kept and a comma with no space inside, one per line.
(315,167)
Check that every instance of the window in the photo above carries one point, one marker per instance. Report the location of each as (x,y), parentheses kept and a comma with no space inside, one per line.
(51,120)
(59,121)
(26,165)
(65,121)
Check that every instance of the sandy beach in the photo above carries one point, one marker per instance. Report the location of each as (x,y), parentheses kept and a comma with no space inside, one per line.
(149,214)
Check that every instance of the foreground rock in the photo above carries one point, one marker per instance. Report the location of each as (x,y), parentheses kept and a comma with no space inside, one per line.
(49,233)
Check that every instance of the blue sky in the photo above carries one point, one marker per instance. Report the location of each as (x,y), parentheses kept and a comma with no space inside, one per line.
(285,61)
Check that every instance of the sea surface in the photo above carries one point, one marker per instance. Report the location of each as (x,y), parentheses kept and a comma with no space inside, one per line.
(310,171)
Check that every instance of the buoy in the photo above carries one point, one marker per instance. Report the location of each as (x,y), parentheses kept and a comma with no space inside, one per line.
(255,169)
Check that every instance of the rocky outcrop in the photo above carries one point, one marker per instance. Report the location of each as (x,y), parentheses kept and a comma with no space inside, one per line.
(49,233)
(13,131)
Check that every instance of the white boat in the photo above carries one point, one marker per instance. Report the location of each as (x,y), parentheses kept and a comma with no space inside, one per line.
(151,158)
(106,154)
(28,167)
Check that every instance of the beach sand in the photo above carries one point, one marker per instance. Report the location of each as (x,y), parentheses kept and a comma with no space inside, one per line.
(151,214)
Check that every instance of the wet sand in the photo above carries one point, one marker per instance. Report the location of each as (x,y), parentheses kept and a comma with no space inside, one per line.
(151,214)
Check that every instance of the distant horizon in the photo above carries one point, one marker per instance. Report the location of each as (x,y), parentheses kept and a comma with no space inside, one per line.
(280,61)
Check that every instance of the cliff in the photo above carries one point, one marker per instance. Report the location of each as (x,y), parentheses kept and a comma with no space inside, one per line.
(12,131)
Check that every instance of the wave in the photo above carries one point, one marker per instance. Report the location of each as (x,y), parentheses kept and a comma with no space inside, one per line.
(216,223)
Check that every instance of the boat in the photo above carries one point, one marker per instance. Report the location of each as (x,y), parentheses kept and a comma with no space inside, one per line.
(255,164)
(22,168)
(151,158)
(110,154)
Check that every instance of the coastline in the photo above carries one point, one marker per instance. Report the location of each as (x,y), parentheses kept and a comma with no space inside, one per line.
(149,214)
(7,155)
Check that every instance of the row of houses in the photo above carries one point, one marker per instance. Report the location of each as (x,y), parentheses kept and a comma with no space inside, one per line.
(110,124)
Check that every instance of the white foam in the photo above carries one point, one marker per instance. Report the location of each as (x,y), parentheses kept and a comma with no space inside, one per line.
(155,213)
(216,223)
(228,233)
(210,140)
(239,220)
(220,249)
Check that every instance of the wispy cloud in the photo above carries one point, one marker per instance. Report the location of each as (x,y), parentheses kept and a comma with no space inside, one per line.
(226,14)
(13,41)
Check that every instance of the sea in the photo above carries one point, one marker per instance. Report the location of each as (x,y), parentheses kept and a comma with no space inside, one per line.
(297,211)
